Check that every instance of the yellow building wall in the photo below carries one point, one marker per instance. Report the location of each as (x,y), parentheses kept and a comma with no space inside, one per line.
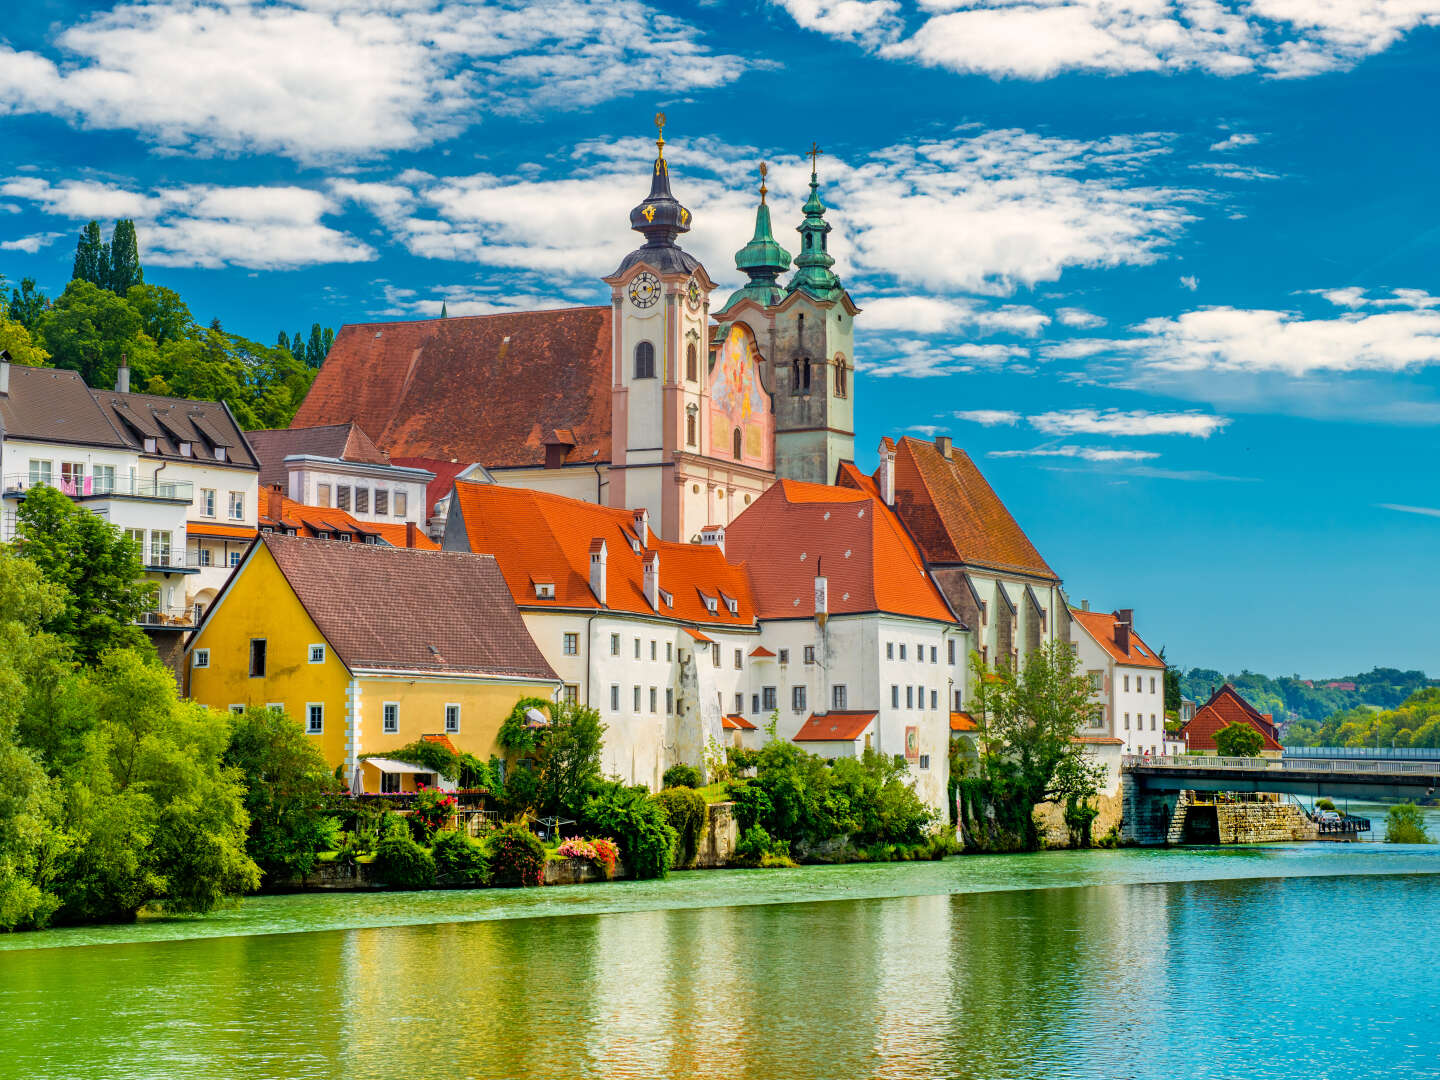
(261,604)
(483,707)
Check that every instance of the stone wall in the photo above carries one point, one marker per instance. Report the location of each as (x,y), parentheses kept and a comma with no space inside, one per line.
(1262,823)
(1054,833)
(717,842)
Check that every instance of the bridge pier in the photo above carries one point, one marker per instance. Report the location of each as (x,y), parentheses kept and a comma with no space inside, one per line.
(1148,816)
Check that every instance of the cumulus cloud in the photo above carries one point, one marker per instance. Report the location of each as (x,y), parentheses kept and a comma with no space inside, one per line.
(917,359)
(1083,453)
(317,79)
(264,228)
(1190,281)
(30,244)
(938,314)
(1035,39)
(1078,318)
(1136,422)
(462,300)
(989,417)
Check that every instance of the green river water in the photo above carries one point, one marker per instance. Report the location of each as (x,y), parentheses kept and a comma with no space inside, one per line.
(1303,961)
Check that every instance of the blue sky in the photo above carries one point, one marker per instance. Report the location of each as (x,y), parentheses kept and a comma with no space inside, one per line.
(1165,268)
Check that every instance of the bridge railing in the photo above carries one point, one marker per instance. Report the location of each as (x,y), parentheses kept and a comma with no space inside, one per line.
(1360,767)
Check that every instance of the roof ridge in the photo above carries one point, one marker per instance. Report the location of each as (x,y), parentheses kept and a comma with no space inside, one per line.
(487,315)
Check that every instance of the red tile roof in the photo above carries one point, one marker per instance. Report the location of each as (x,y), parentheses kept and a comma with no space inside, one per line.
(1224,708)
(963,721)
(219,532)
(1101,625)
(441,740)
(537,536)
(835,727)
(486,388)
(846,533)
(445,474)
(762,653)
(347,442)
(955,515)
(736,723)
(280,512)
(698,636)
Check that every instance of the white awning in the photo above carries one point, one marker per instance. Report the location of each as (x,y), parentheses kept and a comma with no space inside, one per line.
(390,765)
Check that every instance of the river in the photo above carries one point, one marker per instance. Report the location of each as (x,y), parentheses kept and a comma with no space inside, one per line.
(1287,961)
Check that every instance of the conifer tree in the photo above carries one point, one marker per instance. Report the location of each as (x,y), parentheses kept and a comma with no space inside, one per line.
(124,258)
(92,257)
(327,338)
(283,341)
(315,350)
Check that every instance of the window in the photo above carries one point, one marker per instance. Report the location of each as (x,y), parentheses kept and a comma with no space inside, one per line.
(159,548)
(237,709)
(754,702)
(275,706)
(784,656)
(809,654)
(151,445)
(934,699)
(950,651)
(317,654)
(735,443)
(314,718)
(1097,680)
(841,377)
(644,360)
(653,699)
(342,496)
(739,660)
(889,650)
(637,699)
(389,783)
(1127,683)
(691,425)
(207,502)
(740,703)
(219,453)
(924,761)
(362,500)
(1097,717)
(104,479)
(692,362)
(390,717)
(571,646)
(956,706)
(40,472)
(637,648)
(920,653)
(203,556)
(1152,684)
(614,644)
(570,693)
(452,718)
(715,653)
(934,655)
(382,501)
(400,502)
(257,658)
(797,698)
(614,697)
(909,697)
(1152,721)
(768,699)
(1127,721)
(137,537)
(669,651)
(669,701)
(894,696)
(322,494)
(234,558)
(837,696)
(653,653)
(902,650)
(237,506)
(200,658)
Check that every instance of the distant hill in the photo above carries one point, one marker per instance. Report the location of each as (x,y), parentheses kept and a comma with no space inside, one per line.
(1415,723)
(1305,703)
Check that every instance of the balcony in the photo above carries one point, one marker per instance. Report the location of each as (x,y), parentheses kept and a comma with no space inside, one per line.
(15,486)
(168,562)
(169,618)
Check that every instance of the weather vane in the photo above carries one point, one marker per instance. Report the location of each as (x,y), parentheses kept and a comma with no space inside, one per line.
(660,136)
(813,153)
(763,172)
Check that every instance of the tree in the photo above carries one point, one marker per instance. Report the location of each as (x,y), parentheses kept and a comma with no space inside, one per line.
(1239,740)
(88,330)
(27,303)
(30,839)
(287,783)
(92,257)
(96,569)
(20,344)
(124,269)
(1405,824)
(164,317)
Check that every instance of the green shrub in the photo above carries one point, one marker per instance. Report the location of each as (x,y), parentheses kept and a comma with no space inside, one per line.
(685,812)
(758,848)
(516,856)
(1325,804)
(638,824)
(741,758)
(404,863)
(460,860)
(682,775)
(1404,824)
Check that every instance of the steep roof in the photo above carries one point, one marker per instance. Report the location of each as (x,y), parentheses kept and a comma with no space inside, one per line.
(538,537)
(485,388)
(1101,626)
(834,727)
(848,534)
(1224,708)
(347,442)
(955,515)
(400,609)
(52,405)
(170,421)
(277,511)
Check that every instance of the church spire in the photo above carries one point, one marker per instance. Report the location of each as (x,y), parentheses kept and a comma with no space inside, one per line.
(812,265)
(660,219)
(762,259)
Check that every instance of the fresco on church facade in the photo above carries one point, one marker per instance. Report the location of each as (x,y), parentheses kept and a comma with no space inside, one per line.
(738,401)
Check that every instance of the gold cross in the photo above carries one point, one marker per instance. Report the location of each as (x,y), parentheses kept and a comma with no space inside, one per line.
(660,133)
(813,153)
(763,172)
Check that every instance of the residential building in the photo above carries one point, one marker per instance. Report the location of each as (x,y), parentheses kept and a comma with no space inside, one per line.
(659,637)
(281,515)
(1127,678)
(1224,708)
(369,647)
(990,572)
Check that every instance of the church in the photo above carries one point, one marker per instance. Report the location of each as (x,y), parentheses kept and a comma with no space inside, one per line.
(665,400)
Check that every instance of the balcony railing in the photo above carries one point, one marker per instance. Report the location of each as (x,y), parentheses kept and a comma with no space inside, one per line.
(93,487)
(181,617)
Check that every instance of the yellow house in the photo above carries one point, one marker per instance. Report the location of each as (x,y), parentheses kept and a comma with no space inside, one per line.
(371,648)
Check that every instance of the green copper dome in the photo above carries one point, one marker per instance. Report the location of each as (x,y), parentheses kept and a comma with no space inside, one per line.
(762,260)
(812,265)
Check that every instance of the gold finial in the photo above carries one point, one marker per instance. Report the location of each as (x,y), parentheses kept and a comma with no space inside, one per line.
(763,171)
(660,136)
(813,153)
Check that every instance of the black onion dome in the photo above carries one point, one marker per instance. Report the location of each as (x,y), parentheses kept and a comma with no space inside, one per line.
(660,219)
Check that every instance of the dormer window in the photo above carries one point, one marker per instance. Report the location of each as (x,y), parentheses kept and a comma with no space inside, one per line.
(667,598)
(185,449)
(150,445)
(545,590)
(219,453)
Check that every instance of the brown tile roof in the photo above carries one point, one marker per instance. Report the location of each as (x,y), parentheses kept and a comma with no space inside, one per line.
(1097,740)
(955,515)
(486,388)
(399,609)
(849,534)
(834,727)
(171,421)
(54,406)
(348,442)
(1101,625)
(538,536)
(1224,708)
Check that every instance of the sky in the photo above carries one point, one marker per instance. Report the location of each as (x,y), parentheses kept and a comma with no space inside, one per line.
(1166,269)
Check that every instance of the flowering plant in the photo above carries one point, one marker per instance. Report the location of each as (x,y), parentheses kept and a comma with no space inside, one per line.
(576,849)
(433,808)
(607,854)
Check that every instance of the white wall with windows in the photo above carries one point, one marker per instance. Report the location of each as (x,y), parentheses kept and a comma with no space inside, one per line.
(366,492)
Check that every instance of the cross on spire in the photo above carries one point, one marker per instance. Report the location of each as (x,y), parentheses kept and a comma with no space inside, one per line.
(813,153)
(763,171)
(660,134)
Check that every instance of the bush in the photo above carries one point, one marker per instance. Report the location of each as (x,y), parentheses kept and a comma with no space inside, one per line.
(602,853)
(432,810)
(638,823)
(682,775)
(404,863)
(1238,740)
(685,812)
(1404,824)
(742,759)
(516,856)
(758,848)
(1325,804)
(460,860)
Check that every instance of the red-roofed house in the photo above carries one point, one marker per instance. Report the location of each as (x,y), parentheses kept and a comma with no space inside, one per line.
(1128,679)
(1224,708)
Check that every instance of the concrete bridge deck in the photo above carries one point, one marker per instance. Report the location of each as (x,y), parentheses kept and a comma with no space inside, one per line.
(1357,779)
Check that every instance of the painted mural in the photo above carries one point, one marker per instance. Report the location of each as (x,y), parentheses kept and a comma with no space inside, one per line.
(738,402)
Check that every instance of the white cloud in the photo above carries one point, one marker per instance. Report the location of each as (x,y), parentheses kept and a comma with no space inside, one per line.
(1354,297)
(1138,422)
(1231,171)
(1083,453)
(1190,281)
(1035,39)
(31,244)
(936,315)
(264,228)
(1235,141)
(460,300)
(914,359)
(1424,511)
(1079,318)
(989,417)
(317,79)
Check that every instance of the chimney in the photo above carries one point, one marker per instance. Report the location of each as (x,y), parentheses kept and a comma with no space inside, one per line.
(942,443)
(887,471)
(122,377)
(4,372)
(597,569)
(642,526)
(1084,605)
(652,580)
(822,597)
(1124,619)
(714,535)
(412,535)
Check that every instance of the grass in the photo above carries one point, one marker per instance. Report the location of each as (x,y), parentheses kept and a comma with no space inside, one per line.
(713,793)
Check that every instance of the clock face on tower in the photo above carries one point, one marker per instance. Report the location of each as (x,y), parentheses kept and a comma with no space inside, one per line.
(644,290)
(692,293)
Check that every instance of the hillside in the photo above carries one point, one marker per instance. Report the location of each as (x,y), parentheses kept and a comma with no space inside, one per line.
(1416,722)
(1292,699)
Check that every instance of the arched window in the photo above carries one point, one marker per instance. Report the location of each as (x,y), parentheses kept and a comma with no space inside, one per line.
(805,375)
(692,362)
(735,439)
(795,376)
(842,376)
(644,360)
(691,425)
